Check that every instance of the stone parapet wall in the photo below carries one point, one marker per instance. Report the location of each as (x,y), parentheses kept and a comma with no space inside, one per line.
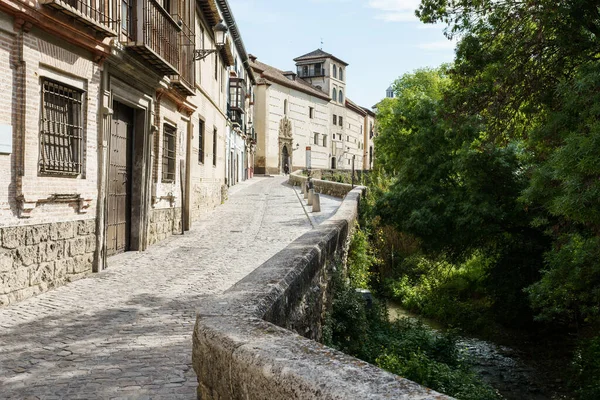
(35,258)
(255,340)
(334,189)
(163,223)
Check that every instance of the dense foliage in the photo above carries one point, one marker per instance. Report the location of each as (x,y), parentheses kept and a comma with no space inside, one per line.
(486,204)
(405,347)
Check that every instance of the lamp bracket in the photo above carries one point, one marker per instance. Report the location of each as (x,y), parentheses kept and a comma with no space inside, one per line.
(201,54)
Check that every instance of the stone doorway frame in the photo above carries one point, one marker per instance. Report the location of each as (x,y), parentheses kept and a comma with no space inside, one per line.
(142,141)
(285,140)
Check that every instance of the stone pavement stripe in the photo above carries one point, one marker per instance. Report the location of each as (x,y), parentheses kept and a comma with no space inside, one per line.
(126,332)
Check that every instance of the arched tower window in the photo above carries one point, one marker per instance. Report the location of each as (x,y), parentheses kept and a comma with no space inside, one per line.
(334,95)
(285,110)
(341,96)
(334,71)
(341,74)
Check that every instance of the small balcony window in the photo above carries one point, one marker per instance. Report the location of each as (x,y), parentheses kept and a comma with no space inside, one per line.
(237,94)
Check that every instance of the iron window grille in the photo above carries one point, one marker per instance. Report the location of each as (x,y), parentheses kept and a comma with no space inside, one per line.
(169,139)
(61,135)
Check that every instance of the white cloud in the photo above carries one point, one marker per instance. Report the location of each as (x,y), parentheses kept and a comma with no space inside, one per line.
(395,5)
(438,45)
(395,10)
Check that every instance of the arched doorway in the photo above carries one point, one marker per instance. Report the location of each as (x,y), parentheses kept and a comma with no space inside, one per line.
(285,159)
(332,162)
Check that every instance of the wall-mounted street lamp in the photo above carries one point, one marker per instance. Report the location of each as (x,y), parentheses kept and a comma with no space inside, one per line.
(297,147)
(220,31)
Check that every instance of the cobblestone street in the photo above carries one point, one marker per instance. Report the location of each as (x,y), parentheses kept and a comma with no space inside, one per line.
(126,332)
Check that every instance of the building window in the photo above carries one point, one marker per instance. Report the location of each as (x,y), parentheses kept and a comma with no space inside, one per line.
(324,140)
(201,142)
(311,112)
(341,96)
(334,71)
(285,107)
(215,147)
(348,161)
(319,69)
(169,140)
(216,68)
(316,138)
(341,121)
(334,119)
(341,74)
(334,95)
(347,138)
(61,135)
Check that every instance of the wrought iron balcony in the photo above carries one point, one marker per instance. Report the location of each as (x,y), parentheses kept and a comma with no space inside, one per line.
(184,82)
(94,14)
(155,37)
(237,117)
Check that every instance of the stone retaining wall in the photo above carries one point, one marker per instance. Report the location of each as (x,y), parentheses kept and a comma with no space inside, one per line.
(36,258)
(334,189)
(254,341)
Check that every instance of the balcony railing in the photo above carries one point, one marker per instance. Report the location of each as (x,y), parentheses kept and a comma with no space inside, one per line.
(185,80)
(94,14)
(156,37)
(237,117)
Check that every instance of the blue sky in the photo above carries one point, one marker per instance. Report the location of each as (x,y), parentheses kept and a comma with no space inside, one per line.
(380,39)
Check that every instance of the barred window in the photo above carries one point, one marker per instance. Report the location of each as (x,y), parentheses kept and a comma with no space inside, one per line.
(169,139)
(61,136)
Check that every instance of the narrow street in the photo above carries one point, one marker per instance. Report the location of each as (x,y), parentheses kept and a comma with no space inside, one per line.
(126,332)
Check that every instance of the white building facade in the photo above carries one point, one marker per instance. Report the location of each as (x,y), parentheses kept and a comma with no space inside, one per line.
(306,114)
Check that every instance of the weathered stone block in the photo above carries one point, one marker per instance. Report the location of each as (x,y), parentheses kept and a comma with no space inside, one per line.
(28,255)
(90,243)
(13,237)
(41,273)
(86,227)
(14,280)
(51,251)
(37,234)
(62,230)
(7,260)
(76,247)
(83,264)
(62,268)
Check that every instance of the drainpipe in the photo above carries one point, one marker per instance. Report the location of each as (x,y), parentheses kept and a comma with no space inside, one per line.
(21,26)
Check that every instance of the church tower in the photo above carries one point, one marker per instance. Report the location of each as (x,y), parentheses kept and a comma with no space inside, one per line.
(324,71)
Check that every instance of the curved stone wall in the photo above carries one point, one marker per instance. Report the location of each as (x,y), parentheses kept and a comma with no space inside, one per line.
(255,341)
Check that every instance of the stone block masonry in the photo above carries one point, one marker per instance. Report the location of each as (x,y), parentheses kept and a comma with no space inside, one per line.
(163,223)
(36,258)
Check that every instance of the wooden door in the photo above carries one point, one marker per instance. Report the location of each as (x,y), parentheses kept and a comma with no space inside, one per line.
(119,180)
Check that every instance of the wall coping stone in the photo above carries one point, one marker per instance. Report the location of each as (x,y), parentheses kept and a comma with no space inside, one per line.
(238,354)
(335,189)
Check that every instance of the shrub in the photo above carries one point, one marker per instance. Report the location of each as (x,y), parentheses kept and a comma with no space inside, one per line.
(405,347)
(586,365)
